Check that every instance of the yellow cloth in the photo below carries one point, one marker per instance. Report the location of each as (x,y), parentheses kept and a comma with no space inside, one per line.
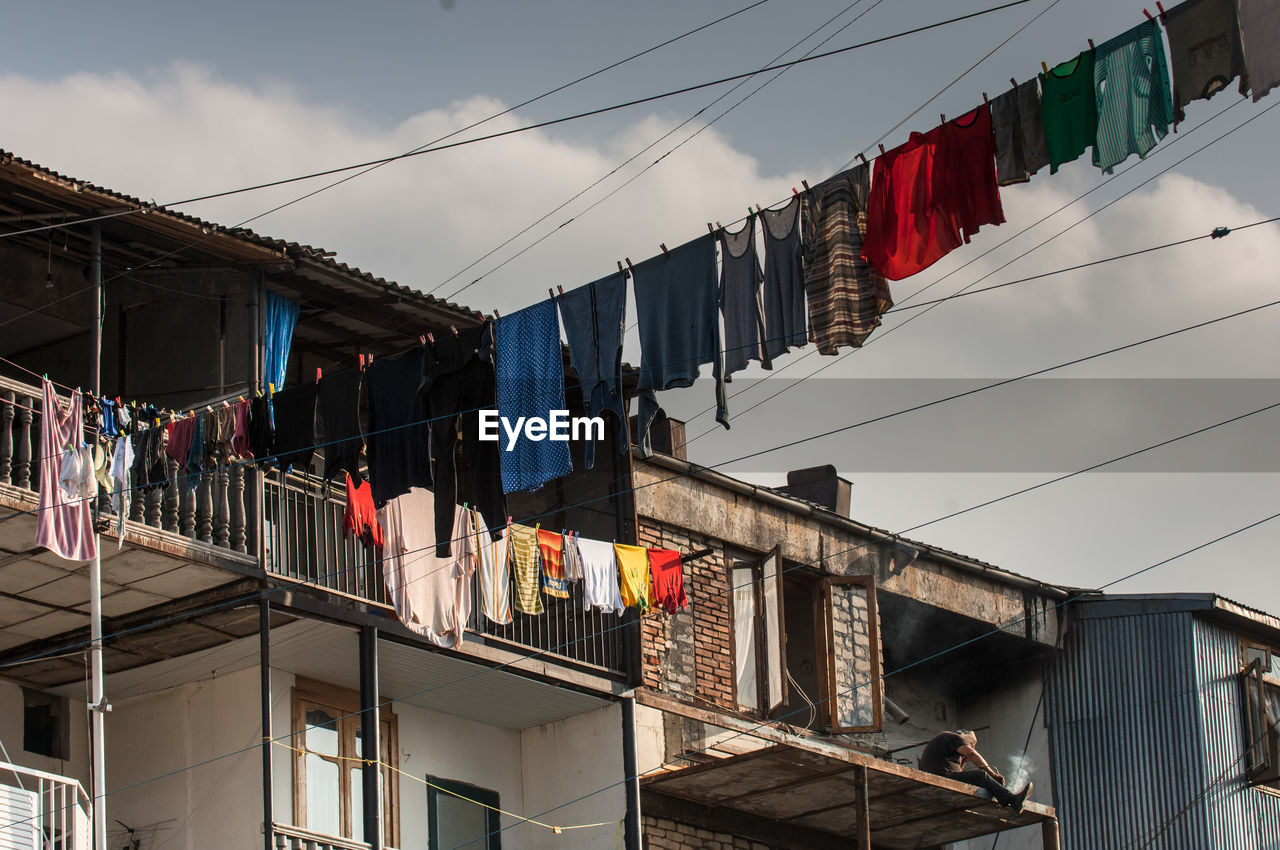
(633,565)
(522,549)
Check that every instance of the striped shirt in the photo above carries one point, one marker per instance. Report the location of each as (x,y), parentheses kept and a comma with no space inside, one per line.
(1135,102)
(495,573)
(522,549)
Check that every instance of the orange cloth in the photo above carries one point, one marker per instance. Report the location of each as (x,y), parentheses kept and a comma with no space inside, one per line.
(551,548)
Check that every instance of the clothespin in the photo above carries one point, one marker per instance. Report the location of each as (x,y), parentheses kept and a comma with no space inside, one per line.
(794,192)
(984,98)
(551,293)
(863,157)
(620,268)
(422,339)
(560,289)
(1044,66)
(759,207)
(271,390)
(1160,6)
(1148,14)
(318,374)
(719,226)
(711,229)
(508,520)
(1013,82)
(805,184)
(1219,232)
(629,266)
(750,212)
(1091,47)
(466,505)
(665,252)
(497,315)
(881,149)
(943,117)
(431,338)
(454,329)
(361,362)
(209,407)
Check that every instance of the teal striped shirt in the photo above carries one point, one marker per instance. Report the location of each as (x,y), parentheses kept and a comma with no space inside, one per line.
(1135,102)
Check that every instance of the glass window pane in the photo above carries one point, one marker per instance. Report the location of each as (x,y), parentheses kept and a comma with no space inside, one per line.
(321,734)
(323,804)
(357,804)
(460,821)
(744,636)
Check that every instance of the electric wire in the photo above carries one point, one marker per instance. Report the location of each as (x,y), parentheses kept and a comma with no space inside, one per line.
(450,135)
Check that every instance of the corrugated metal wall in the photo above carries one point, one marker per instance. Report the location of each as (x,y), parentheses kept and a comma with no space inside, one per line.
(1123,721)
(1240,817)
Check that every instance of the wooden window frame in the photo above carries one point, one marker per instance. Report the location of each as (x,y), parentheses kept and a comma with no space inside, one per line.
(873,636)
(1262,769)
(485,796)
(346,704)
(766,704)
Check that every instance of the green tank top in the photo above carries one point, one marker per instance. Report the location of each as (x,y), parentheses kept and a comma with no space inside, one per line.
(1069,109)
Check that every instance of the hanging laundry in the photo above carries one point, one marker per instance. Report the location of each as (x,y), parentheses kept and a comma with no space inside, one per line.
(594,317)
(178,446)
(431,595)
(1069,109)
(75,475)
(600,576)
(457,382)
(121,463)
(64,525)
(361,517)
(1260,39)
(399,438)
(741,300)
(784,308)
(633,567)
(191,471)
(551,554)
(1021,148)
(973,195)
(338,404)
(100,454)
(495,571)
(124,422)
(280,315)
(241,438)
(530,375)
(148,472)
(219,430)
(108,426)
(572,557)
(908,229)
(668,579)
(846,294)
(522,552)
(1204,51)
(295,416)
(679,328)
(1131,85)
(262,429)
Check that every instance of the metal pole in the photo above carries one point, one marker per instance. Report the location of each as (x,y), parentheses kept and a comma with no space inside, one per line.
(264,688)
(370,735)
(631,826)
(99,707)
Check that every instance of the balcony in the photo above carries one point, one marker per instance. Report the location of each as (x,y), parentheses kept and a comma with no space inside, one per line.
(42,811)
(237,522)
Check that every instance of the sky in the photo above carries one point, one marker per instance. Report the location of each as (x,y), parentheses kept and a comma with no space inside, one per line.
(173,100)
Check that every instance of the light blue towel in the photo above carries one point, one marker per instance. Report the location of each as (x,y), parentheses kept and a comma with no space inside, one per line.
(530,375)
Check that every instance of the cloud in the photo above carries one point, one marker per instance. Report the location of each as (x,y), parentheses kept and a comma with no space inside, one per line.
(185,132)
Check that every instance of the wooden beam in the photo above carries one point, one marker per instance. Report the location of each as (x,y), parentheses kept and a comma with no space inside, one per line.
(864,811)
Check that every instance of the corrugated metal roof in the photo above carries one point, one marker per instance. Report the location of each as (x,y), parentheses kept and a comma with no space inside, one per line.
(292,250)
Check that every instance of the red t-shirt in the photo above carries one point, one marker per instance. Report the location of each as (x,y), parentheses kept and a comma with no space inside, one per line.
(668,579)
(972,191)
(908,224)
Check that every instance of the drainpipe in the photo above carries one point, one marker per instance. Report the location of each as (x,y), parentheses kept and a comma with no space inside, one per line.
(99,707)
(371,771)
(264,689)
(631,826)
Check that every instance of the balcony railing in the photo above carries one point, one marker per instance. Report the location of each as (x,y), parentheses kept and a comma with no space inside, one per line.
(295,838)
(214,511)
(299,530)
(42,811)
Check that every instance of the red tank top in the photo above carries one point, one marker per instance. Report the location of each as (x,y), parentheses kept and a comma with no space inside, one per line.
(361,518)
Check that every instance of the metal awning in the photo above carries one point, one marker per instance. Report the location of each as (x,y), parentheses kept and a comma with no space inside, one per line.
(903,808)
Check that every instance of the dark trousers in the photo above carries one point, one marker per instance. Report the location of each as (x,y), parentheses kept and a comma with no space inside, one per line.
(982,779)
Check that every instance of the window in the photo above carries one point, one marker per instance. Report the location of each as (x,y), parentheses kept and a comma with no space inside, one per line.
(758,637)
(1262,718)
(462,815)
(805,647)
(46,725)
(328,792)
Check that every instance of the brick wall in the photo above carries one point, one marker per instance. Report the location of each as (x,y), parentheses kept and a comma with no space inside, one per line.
(664,834)
(689,654)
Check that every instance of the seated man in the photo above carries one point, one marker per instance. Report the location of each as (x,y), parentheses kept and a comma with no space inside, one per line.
(946,754)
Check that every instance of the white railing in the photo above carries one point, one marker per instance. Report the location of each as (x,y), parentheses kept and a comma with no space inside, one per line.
(42,811)
(296,838)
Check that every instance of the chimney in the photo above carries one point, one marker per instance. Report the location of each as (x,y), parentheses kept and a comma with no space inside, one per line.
(666,435)
(820,485)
